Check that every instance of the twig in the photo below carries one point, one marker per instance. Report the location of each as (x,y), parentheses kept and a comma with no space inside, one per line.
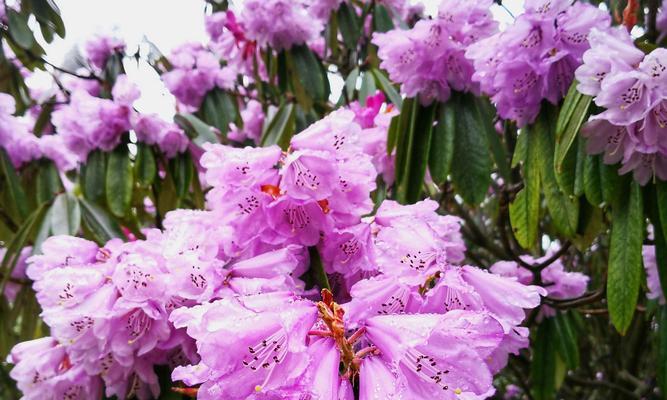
(609,385)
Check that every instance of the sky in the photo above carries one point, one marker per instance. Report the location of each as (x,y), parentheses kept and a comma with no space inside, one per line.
(166,23)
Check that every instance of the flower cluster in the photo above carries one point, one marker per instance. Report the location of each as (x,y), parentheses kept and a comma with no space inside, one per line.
(652,277)
(632,88)
(100,48)
(279,24)
(218,297)
(535,58)
(559,283)
(17,139)
(89,123)
(196,70)
(429,59)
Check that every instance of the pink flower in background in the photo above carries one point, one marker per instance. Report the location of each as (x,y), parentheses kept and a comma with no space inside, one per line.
(652,277)
(195,72)
(253,121)
(535,58)
(632,87)
(99,48)
(428,60)
(279,24)
(151,129)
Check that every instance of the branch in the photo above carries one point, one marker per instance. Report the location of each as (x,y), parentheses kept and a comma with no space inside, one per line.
(604,384)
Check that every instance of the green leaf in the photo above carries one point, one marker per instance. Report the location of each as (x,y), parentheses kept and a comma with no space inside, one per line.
(392,134)
(573,114)
(308,72)
(119,181)
(566,340)
(18,201)
(348,22)
(613,185)
(662,349)
(625,257)
(579,168)
(351,83)
(592,183)
(281,128)
(409,187)
(196,129)
(65,215)
(93,176)
(44,116)
(317,269)
(181,170)
(145,167)
(382,21)
(660,228)
(19,29)
(387,87)
(47,13)
(471,163)
(442,144)
(487,113)
(406,123)
(100,224)
(525,209)
(543,365)
(25,233)
(367,87)
(220,109)
(48,182)
(564,209)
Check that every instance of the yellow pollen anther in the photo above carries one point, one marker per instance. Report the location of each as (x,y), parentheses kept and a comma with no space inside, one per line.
(457,391)
(258,388)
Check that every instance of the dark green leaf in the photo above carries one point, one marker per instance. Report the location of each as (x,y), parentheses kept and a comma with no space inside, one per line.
(487,113)
(406,123)
(625,257)
(281,128)
(387,87)
(317,269)
(543,365)
(409,187)
(564,209)
(382,21)
(145,167)
(308,71)
(44,116)
(93,175)
(349,25)
(351,83)
(367,87)
(592,184)
(25,233)
(19,29)
(392,134)
(525,209)
(566,340)
(119,181)
(48,182)
(181,170)
(48,13)
(196,129)
(572,115)
(471,162)
(219,109)
(660,228)
(662,348)
(18,206)
(442,144)
(100,224)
